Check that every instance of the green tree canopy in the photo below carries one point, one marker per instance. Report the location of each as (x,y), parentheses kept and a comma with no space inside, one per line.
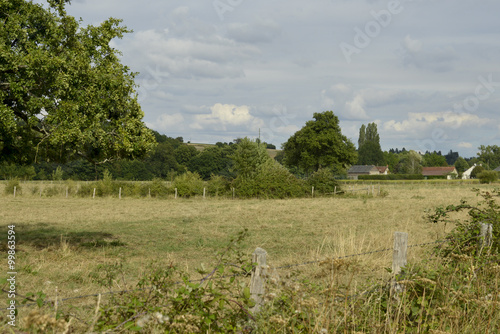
(490,155)
(434,159)
(369,150)
(319,144)
(248,157)
(63,91)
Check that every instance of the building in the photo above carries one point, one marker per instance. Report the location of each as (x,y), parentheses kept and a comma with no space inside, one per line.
(497,169)
(358,170)
(440,171)
(383,170)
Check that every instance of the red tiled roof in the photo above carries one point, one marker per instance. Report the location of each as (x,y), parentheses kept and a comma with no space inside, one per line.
(382,169)
(430,171)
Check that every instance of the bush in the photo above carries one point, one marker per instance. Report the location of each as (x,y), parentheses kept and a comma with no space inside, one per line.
(323,182)
(218,185)
(271,181)
(188,184)
(476,171)
(157,188)
(487,176)
(9,187)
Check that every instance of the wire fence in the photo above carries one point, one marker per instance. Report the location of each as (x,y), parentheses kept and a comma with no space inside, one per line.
(201,280)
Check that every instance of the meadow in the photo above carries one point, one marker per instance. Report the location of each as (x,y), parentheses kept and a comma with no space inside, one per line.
(63,244)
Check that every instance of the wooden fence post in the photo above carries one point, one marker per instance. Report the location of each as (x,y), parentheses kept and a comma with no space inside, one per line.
(399,258)
(233,192)
(15,191)
(67,190)
(93,196)
(257,282)
(485,238)
(335,191)
(175,192)
(204,192)
(312,191)
(120,193)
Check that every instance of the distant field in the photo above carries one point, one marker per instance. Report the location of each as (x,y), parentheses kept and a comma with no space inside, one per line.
(61,241)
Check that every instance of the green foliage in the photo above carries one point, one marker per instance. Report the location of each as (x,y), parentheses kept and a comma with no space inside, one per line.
(319,144)
(476,171)
(490,155)
(434,159)
(271,180)
(218,185)
(369,150)
(64,93)
(9,187)
(487,176)
(188,184)
(248,157)
(464,237)
(461,165)
(57,175)
(168,300)
(156,188)
(323,182)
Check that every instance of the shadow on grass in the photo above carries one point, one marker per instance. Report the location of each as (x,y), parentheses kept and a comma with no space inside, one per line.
(42,236)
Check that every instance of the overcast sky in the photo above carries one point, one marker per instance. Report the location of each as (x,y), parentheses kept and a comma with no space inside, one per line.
(426,71)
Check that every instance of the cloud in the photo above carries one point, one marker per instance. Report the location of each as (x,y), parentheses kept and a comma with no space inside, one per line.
(417,122)
(166,122)
(465,145)
(227,116)
(263,31)
(436,59)
(345,102)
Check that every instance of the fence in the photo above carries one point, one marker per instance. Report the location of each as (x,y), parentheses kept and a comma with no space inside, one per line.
(261,272)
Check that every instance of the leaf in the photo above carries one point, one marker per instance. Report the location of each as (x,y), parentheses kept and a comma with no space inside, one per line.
(246,292)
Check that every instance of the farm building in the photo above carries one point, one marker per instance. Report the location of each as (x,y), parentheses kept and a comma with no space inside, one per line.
(357,170)
(440,171)
(383,170)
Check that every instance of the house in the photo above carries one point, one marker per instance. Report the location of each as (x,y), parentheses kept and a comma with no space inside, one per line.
(384,170)
(357,170)
(440,171)
(497,169)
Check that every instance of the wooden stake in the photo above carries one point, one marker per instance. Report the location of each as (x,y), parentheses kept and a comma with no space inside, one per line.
(93,196)
(257,281)
(15,191)
(120,193)
(175,192)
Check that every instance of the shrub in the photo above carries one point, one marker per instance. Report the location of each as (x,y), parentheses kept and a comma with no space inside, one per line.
(476,171)
(9,187)
(218,185)
(271,181)
(188,184)
(323,181)
(487,176)
(157,188)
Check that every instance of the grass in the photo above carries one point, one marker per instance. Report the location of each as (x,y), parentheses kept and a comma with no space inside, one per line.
(62,241)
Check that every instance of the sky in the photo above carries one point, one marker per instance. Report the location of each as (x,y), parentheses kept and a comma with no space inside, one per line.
(426,72)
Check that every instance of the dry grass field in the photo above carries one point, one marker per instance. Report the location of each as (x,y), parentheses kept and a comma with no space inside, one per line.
(62,241)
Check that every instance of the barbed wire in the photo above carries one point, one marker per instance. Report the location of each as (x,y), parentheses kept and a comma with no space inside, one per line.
(226,276)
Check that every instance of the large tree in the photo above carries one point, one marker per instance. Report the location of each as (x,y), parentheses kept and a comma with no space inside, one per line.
(319,144)
(63,91)
(369,150)
(490,155)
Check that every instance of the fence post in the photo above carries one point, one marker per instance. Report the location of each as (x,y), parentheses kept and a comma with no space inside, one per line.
(486,235)
(233,192)
(120,193)
(15,191)
(93,196)
(399,258)
(204,191)
(175,192)
(67,190)
(335,191)
(149,192)
(257,282)
(312,191)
